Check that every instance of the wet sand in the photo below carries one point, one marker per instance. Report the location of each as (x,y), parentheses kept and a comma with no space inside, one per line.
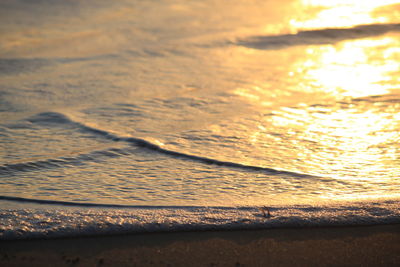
(330,246)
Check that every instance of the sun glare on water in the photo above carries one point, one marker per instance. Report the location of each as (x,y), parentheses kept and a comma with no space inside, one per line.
(354,138)
(346,120)
(353,68)
(342,13)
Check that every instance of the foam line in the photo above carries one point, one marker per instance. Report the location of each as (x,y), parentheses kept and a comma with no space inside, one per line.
(33,222)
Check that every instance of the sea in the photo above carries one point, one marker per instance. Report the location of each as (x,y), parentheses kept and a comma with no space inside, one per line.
(136,116)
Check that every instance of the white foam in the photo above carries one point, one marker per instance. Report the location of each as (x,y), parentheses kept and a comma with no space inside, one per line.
(47,222)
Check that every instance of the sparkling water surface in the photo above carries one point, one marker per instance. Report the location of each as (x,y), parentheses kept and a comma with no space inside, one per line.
(200,103)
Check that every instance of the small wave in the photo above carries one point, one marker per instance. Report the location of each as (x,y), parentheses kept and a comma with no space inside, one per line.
(205,160)
(69,222)
(100,205)
(16,65)
(317,37)
(380,99)
(65,161)
(10,66)
(47,118)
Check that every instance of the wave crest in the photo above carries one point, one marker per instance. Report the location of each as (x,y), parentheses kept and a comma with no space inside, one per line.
(49,118)
(317,37)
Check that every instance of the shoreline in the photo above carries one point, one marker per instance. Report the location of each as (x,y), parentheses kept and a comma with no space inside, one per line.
(340,245)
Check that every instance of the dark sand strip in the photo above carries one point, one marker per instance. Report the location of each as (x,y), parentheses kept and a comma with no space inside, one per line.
(331,246)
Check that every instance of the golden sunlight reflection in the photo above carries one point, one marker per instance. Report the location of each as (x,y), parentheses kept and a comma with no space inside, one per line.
(356,143)
(352,68)
(337,117)
(354,140)
(341,13)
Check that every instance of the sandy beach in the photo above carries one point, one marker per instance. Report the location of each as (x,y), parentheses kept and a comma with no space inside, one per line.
(332,246)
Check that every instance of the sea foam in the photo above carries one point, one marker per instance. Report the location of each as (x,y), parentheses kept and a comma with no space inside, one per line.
(63,221)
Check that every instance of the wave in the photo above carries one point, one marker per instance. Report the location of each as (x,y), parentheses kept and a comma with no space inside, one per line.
(49,118)
(11,66)
(317,37)
(68,222)
(65,161)
(100,205)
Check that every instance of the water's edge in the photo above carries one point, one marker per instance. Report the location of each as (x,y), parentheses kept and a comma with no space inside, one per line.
(46,222)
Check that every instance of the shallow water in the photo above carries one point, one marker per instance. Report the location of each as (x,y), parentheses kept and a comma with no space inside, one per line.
(203,104)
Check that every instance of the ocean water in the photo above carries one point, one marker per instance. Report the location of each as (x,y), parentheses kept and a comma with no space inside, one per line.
(137,116)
